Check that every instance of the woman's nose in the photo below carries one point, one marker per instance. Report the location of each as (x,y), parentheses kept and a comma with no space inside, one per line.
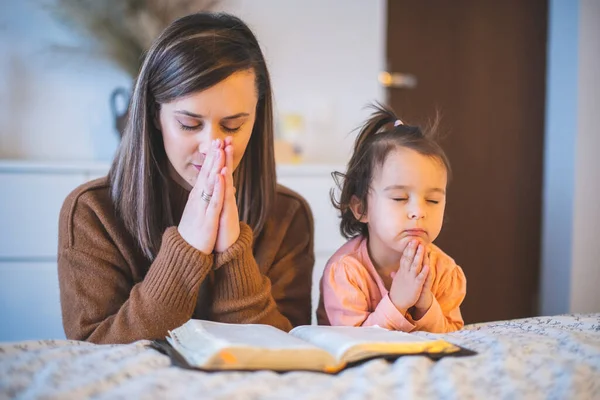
(207,136)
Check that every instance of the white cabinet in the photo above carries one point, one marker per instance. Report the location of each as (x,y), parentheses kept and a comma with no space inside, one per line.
(29,301)
(29,209)
(30,201)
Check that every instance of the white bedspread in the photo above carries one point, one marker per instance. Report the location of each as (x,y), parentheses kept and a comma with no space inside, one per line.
(543,357)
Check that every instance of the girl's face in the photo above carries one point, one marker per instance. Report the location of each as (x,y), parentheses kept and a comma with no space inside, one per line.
(190,123)
(407,200)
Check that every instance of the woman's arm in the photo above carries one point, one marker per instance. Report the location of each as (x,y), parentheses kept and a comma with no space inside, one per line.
(100,300)
(282,296)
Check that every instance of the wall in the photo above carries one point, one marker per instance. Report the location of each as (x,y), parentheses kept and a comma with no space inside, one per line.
(570,270)
(559,156)
(585,274)
(324,58)
(53,105)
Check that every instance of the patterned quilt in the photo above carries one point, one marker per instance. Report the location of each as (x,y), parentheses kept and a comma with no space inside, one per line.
(534,358)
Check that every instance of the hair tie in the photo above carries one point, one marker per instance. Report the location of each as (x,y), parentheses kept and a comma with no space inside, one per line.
(398,123)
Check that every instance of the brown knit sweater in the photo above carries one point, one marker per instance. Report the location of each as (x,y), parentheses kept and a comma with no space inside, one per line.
(110,293)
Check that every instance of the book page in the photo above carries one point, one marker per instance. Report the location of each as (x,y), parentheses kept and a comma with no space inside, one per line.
(355,343)
(245,346)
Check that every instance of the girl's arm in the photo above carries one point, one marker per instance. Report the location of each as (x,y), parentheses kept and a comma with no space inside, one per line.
(449,289)
(278,294)
(347,300)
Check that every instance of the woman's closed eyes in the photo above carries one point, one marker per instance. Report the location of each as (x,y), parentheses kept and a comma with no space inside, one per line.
(187,126)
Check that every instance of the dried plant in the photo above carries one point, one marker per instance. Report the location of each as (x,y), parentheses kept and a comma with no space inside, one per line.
(121,30)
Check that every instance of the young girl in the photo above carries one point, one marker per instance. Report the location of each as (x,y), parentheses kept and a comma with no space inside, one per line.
(392,204)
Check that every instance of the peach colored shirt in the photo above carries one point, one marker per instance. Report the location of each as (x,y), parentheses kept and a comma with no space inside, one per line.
(354,294)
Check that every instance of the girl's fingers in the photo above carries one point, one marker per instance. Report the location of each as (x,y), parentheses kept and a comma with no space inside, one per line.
(417,261)
(423,274)
(404,243)
(407,256)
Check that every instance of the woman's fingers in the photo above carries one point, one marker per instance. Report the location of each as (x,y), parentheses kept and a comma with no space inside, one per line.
(213,212)
(229,153)
(211,168)
(228,183)
(202,179)
(208,162)
(218,161)
(228,170)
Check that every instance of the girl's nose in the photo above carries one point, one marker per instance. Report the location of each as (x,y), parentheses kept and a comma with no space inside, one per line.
(416,212)
(416,215)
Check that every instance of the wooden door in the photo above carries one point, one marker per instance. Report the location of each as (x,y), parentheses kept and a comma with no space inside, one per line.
(482,65)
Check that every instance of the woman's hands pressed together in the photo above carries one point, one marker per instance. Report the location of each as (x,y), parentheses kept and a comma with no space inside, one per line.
(229,222)
(210,220)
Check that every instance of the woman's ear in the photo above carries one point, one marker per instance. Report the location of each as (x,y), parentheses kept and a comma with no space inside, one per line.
(358,209)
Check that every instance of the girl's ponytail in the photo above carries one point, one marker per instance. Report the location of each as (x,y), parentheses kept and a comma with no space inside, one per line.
(382,118)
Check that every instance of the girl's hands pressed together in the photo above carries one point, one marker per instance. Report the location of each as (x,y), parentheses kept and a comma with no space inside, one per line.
(200,220)
(408,281)
(426,298)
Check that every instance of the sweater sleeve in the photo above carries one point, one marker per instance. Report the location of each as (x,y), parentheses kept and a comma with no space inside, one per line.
(282,296)
(444,314)
(346,299)
(100,301)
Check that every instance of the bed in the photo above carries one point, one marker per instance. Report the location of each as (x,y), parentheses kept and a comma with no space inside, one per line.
(541,357)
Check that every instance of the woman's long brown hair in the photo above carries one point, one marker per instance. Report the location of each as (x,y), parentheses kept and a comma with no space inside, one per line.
(191,55)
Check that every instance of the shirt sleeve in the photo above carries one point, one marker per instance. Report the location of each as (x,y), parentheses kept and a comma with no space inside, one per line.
(444,314)
(347,299)
(100,300)
(282,296)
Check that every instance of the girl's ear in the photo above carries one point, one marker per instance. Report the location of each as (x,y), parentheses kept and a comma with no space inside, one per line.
(358,210)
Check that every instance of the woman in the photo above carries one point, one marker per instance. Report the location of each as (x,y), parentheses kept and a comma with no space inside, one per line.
(190,222)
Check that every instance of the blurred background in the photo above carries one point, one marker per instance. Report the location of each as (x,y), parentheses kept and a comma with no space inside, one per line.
(515,83)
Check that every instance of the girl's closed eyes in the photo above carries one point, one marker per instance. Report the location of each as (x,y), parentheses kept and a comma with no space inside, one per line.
(399,199)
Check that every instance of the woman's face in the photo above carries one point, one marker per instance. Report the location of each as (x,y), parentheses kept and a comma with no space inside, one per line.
(190,123)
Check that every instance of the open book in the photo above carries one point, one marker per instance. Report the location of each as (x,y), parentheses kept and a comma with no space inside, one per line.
(218,346)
